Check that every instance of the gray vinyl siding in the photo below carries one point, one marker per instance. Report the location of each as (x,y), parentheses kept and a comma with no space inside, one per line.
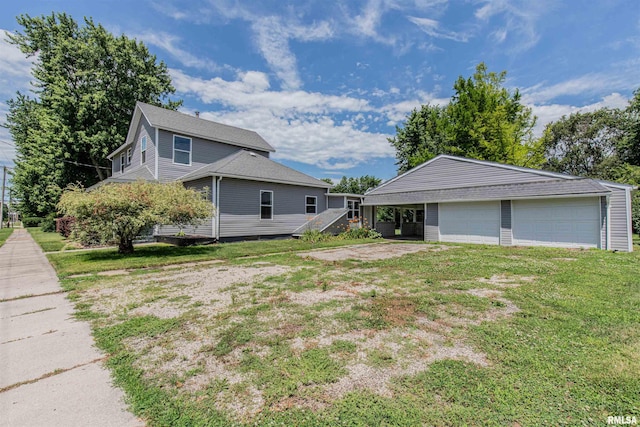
(336,202)
(144,129)
(339,226)
(206,227)
(451,173)
(506,236)
(432,230)
(240,208)
(603,222)
(619,219)
(203,152)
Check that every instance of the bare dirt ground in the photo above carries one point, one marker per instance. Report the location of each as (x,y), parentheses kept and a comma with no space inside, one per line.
(371,252)
(302,308)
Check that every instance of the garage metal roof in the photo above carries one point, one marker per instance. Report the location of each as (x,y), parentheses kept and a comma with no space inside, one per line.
(528,190)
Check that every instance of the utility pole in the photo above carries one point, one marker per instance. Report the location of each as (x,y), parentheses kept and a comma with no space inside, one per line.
(4,183)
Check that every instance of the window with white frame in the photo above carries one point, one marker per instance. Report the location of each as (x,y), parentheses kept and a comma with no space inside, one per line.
(143,149)
(128,156)
(354,209)
(266,204)
(181,150)
(121,162)
(311,204)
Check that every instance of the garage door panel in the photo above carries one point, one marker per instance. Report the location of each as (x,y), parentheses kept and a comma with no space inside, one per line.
(470,222)
(557,222)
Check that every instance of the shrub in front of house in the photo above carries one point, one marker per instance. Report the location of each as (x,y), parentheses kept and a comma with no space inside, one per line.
(32,221)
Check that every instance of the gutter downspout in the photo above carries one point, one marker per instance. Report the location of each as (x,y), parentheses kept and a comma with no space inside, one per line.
(218,207)
(157,154)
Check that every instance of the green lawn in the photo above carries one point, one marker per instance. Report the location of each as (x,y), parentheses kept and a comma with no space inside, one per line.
(471,335)
(49,242)
(4,234)
(77,262)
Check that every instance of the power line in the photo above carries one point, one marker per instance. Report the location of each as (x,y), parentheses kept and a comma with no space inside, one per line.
(13,144)
(82,164)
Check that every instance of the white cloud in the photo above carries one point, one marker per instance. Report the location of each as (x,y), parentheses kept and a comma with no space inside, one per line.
(170,44)
(250,90)
(432,28)
(518,20)
(594,83)
(303,126)
(272,38)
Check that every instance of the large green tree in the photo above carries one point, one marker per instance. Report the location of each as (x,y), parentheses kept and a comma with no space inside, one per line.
(483,120)
(586,144)
(86,83)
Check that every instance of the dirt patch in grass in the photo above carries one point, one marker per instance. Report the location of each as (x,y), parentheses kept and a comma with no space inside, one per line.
(371,252)
(246,339)
(504,281)
(167,295)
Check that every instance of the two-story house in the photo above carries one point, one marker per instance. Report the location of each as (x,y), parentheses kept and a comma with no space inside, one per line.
(254,196)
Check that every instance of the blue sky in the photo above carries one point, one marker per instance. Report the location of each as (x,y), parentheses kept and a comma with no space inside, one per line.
(327,82)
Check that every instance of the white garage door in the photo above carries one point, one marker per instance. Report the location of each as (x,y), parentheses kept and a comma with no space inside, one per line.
(476,222)
(569,223)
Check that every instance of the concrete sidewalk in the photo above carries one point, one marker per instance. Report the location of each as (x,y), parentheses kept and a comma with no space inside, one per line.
(50,372)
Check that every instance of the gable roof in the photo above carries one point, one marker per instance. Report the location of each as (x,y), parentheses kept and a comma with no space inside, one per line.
(248,165)
(546,189)
(140,172)
(447,172)
(175,121)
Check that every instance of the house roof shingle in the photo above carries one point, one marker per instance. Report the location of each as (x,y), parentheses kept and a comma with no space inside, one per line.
(248,165)
(141,172)
(207,129)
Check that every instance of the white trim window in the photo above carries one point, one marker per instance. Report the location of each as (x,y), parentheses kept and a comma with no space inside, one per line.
(181,150)
(354,209)
(311,204)
(128,156)
(266,204)
(122,162)
(143,150)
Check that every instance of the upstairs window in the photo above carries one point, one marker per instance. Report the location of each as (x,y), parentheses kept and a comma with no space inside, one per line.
(354,209)
(181,150)
(311,204)
(128,156)
(266,204)
(143,150)
(121,162)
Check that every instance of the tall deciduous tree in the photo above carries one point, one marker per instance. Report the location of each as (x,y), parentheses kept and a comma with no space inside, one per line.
(357,185)
(125,210)
(423,136)
(87,82)
(585,144)
(483,120)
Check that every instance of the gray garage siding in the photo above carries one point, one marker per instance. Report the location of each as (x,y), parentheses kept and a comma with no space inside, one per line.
(619,211)
(203,152)
(240,208)
(204,229)
(446,173)
(506,235)
(432,228)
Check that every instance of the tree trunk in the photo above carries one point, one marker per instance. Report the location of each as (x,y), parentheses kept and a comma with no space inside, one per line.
(125,246)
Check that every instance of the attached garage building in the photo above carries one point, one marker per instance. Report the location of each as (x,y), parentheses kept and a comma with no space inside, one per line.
(455,199)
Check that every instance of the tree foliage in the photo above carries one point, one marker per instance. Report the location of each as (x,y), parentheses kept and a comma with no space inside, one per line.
(585,144)
(483,120)
(126,210)
(86,84)
(357,185)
